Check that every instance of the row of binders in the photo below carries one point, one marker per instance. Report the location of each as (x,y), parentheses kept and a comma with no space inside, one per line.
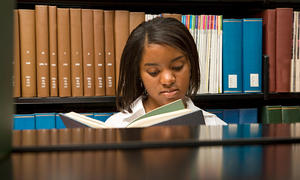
(48,120)
(270,114)
(76,52)
(53,120)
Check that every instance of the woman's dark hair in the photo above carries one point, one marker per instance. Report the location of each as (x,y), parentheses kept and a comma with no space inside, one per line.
(163,31)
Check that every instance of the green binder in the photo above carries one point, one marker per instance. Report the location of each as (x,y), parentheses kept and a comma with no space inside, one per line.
(271,114)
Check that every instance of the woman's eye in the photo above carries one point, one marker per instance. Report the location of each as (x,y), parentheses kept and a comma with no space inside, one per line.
(153,73)
(177,68)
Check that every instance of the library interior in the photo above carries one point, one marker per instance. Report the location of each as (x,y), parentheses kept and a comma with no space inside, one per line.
(66,65)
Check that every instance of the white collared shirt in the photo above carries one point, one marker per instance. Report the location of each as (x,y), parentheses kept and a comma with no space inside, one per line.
(122,119)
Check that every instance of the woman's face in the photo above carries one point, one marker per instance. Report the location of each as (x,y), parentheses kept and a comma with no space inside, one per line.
(165,72)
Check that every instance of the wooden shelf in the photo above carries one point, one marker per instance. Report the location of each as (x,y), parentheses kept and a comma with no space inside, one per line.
(107,103)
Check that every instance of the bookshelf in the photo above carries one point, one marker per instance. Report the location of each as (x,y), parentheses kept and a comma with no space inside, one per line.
(107,103)
(228,8)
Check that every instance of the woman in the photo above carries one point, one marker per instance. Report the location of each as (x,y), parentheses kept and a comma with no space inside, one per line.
(159,64)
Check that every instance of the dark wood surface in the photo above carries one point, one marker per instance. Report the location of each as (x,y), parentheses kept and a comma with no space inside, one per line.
(273,156)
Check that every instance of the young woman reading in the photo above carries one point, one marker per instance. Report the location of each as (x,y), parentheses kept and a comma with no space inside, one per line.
(159,65)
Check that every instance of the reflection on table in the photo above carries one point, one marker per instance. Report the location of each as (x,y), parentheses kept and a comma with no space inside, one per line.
(177,152)
(208,162)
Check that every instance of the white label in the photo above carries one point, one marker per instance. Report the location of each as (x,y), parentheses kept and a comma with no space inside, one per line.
(254,80)
(232,81)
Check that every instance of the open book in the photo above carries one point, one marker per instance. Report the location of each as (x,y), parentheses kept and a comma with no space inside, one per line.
(173,113)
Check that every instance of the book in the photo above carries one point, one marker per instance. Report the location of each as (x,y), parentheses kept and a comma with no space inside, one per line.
(64,50)
(42,50)
(248,115)
(173,113)
(53,51)
(271,114)
(172,15)
(27,49)
(121,33)
(281,114)
(135,18)
(16,58)
(269,43)
(284,26)
(23,121)
(110,77)
(232,56)
(88,52)
(99,52)
(236,116)
(252,55)
(44,120)
(76,52)
(290,114)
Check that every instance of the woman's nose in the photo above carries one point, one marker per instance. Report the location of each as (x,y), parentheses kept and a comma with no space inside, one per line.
(167,78)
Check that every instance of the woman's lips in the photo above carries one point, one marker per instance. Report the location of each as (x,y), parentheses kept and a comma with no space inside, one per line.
(170,93)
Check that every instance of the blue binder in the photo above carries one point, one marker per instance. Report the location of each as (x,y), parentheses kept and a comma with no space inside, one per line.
(231,116)
(59,124)
(24,121)
(232,56)
(102,116)
(248,115)
(45,120)
(252,55)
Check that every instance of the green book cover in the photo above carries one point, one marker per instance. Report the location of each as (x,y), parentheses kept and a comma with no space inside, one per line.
(290,114)
(271,114)
(173,106)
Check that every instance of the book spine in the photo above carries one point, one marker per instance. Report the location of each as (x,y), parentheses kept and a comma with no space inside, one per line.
(252,55)
(135,18)
(45,120)
(284,26)
(172,15)
(16,58)
(247,116)
(269,44)
(42,50)
(63,42)
(99,52)
(271,114)
(290,114)
(232,56)
(231,116)
(88,52)
(53,75)
(109,53)
(121,33)
(27,44)
(76,52)
(24,121)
